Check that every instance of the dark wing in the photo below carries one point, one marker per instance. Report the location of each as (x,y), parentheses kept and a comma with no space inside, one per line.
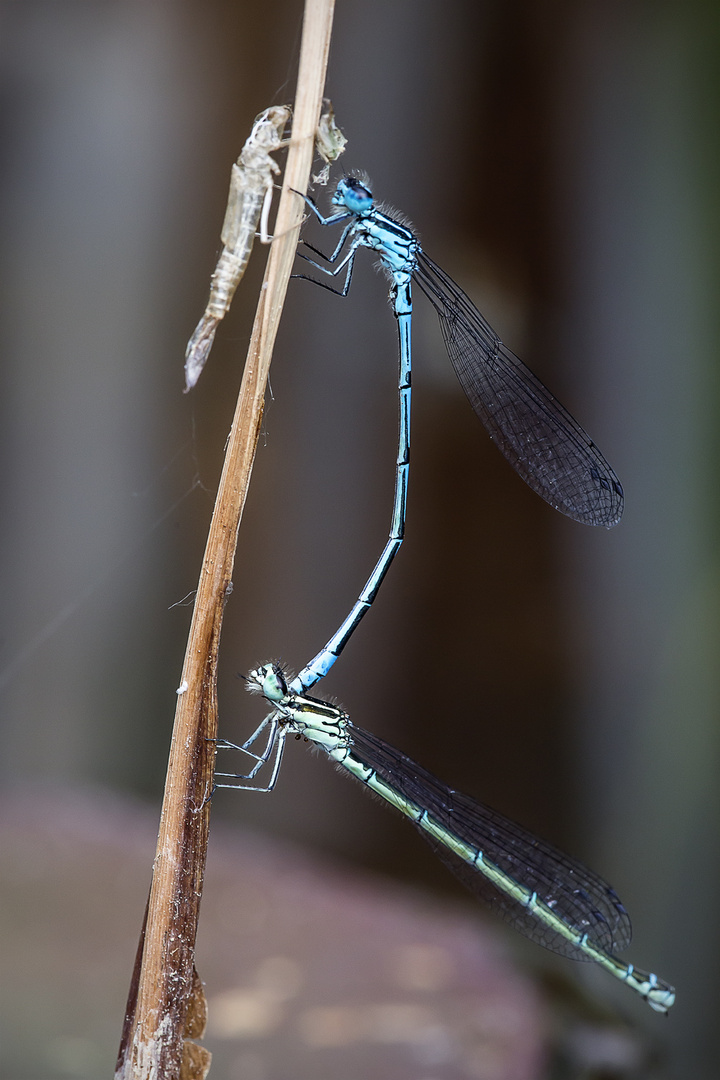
(577,895)
(537,435)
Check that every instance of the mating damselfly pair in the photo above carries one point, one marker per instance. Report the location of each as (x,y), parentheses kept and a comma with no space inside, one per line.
(548,896)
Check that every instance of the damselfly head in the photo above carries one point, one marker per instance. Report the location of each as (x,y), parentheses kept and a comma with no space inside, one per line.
(353,192)
(269,681)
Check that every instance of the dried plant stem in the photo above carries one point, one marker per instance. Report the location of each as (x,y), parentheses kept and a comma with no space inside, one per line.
(165,992)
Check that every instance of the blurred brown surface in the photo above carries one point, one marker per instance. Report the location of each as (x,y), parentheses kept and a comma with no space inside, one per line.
(309,971)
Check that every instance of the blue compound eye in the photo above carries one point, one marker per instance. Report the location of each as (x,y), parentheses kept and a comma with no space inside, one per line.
(351,193)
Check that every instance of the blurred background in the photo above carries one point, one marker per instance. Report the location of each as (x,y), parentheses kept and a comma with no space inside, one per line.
(561,162)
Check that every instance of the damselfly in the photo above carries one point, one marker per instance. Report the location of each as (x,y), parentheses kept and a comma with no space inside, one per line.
(537,435)
(546,895)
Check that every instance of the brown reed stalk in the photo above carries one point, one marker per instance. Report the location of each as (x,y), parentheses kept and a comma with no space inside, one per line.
(166,1004)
